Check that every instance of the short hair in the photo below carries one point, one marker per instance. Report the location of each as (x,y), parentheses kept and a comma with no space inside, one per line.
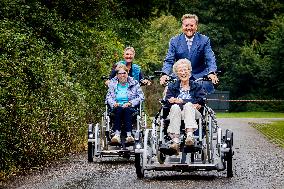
(121,66)
(180,62)
(194,16)
(129,48)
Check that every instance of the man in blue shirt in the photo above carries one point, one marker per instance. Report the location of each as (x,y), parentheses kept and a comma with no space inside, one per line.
(193,46)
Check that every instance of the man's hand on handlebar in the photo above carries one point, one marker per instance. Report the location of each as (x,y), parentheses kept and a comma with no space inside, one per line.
(145,82)
(163,79)
(213,78)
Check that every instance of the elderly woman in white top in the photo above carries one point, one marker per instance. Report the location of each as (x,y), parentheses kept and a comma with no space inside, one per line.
(184,97)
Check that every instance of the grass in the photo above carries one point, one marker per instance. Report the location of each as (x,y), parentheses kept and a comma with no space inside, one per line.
(250,115)
(273,131)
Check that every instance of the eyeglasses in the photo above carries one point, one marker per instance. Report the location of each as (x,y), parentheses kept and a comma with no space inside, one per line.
(122,73)
(183,71)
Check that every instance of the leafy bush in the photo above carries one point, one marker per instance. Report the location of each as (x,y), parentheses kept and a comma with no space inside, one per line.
(151,51)
(50,86)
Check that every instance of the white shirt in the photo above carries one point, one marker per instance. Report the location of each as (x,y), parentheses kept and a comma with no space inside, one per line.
(189,42)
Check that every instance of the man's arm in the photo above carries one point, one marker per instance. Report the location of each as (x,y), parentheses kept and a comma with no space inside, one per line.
(210,62)
(170,58)
(169,61)
(210,57)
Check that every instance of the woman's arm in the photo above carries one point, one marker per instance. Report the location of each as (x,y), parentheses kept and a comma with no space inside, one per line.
(110,97)
(137,95)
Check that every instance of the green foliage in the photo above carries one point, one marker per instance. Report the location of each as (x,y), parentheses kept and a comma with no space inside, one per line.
(246,19)
(54,52)
(259,71)
(273,50)
(153,94)
(41,108)
(151,51)
(50,84)
(237,31)
(153,43)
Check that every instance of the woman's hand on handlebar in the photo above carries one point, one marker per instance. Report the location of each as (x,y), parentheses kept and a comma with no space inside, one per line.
(164,79)
(197,106)
(115,105)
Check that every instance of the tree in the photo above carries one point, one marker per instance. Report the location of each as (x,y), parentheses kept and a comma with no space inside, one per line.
(273,50)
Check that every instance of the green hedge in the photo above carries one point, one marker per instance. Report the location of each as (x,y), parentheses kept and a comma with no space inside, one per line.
(50,87)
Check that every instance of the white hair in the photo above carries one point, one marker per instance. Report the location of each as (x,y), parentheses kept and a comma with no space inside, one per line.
(183,61)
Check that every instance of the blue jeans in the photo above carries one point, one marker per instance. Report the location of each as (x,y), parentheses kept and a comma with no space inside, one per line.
(123,115)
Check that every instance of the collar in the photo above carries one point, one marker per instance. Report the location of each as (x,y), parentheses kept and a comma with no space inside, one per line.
(192,85)
(189,39)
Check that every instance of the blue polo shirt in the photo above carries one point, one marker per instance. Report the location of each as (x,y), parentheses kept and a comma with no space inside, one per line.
(121,96)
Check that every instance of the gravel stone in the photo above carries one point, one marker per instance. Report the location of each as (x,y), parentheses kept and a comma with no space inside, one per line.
(257,163)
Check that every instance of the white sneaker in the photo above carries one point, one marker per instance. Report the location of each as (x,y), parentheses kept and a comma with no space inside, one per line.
(115,139)
(189,141)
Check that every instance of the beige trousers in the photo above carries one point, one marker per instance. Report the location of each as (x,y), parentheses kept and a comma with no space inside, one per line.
(189,114)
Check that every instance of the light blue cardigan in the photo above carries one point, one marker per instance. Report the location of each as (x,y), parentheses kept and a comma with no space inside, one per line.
(134,92)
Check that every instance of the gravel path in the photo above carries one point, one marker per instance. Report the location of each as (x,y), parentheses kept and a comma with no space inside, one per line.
(257,164)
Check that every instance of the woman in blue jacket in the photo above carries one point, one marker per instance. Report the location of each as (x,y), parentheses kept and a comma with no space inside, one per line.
(184,98)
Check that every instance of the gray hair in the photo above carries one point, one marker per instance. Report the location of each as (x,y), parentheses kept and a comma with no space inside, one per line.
(129,48)
(121,66)
(194,16)
(181,62)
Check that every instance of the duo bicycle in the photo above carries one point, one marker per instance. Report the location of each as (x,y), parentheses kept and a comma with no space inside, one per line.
(212,149)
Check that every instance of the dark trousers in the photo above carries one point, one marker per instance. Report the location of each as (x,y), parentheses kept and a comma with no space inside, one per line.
(123,115)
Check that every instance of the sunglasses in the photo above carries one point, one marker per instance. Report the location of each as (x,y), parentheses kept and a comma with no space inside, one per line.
(122,73)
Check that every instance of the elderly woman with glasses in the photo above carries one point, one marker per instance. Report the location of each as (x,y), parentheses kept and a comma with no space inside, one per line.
(123,96)
(184,97)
